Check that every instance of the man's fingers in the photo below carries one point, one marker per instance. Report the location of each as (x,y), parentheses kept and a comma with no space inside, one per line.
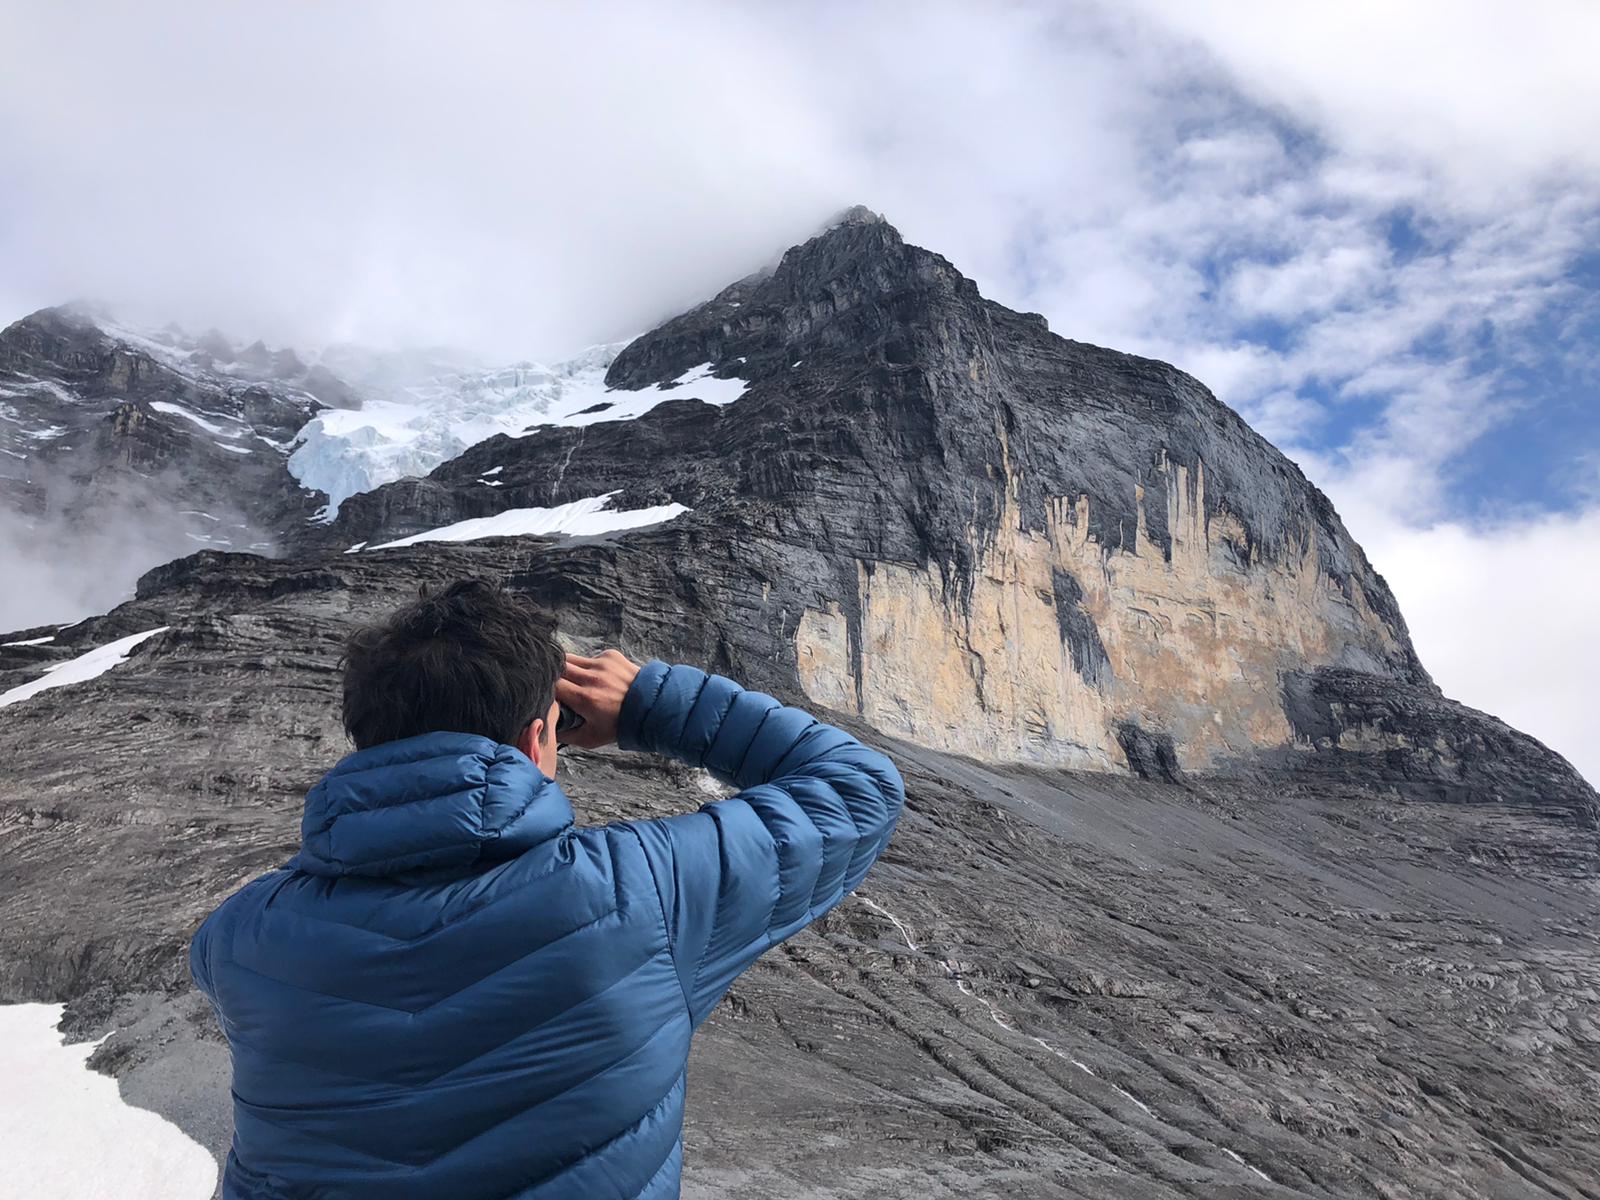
(594,686)
(605,661)
(569,693)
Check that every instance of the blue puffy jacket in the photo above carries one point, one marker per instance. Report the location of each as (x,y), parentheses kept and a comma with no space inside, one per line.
(453,992)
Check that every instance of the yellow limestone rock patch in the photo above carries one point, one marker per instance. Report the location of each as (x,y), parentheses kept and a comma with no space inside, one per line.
(1193,645)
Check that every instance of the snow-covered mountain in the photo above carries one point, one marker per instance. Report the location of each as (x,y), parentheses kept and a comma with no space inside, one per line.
(408,425)
(123,447)
(96,415)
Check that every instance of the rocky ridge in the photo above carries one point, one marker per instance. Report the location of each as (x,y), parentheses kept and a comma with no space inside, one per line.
(133,446)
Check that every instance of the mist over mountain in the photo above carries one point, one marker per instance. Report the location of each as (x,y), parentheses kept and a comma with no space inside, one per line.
(1204,887)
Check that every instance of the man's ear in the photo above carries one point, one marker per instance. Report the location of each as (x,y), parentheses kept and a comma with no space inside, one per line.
(530,739)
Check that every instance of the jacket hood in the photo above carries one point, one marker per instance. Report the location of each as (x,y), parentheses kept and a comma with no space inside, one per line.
(434,801)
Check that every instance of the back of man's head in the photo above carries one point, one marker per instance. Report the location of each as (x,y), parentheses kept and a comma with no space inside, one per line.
(469,657)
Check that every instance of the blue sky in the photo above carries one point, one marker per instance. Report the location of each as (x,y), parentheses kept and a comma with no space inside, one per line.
(1371,228)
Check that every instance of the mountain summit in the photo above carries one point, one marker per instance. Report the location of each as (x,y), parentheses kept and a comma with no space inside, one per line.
(989,539)
(1203,887)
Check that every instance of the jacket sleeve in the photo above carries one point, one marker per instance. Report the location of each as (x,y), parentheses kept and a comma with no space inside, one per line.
(200,958)
(815,810)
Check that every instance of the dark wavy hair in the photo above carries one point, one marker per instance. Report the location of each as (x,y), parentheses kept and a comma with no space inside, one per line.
(468,657)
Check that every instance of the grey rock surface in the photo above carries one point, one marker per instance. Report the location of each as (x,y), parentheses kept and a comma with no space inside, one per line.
(1056,984)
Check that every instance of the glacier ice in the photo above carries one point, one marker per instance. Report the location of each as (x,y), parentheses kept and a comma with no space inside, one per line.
(415,426)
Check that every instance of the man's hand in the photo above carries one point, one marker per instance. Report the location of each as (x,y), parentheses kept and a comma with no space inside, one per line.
(593,688)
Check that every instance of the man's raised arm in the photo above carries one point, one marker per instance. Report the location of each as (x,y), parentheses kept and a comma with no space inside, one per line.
(815,810)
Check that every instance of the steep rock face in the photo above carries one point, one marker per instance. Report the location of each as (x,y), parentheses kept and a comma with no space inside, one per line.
(1360,729)
(102,424)
(973,533)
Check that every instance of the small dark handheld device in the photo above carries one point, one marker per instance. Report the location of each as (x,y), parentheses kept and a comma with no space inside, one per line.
(567,719)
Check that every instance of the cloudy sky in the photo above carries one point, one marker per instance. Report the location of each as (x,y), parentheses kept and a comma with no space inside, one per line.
(1370,227)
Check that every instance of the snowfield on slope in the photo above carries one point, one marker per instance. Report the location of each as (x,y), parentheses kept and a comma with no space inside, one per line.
(420,425)
(68,1133)
(581,518)
(76,670)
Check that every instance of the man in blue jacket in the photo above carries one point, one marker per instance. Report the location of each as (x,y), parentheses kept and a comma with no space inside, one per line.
(452,991)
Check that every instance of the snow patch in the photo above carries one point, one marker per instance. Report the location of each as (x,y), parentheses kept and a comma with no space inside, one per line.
(580,518)
(1238,1158)
(231,449)
(70,1134)
(709,785)
(77,670)
(177,410)
(176,357)
(1137,1103)
(31,641)
(905,934)
(700,383)
(55,389)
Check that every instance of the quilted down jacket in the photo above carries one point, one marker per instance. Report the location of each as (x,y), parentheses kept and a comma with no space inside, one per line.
(451,991)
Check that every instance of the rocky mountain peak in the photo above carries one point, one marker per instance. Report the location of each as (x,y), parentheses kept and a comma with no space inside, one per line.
(839,290)
(125,446)
(928,511)
(956,525)
(856,214)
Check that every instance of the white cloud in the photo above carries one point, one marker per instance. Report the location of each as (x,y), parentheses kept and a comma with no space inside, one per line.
(488,174)
(1491,93)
